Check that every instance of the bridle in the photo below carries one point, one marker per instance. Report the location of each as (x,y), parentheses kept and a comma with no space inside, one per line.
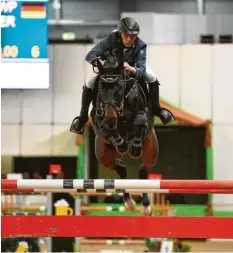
(122,79)
(119,107)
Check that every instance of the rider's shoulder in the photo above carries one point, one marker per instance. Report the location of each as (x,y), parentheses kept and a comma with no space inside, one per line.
(141,42)
(113,37)
(114,34)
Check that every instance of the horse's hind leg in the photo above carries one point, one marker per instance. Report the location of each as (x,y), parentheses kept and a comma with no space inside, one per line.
(106,155)
(149,157)
(145,201)
(120,169)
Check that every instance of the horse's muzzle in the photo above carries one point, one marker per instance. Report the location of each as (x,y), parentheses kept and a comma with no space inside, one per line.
(110,122)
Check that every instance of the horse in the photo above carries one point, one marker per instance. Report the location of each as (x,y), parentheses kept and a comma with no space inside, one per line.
(123,125)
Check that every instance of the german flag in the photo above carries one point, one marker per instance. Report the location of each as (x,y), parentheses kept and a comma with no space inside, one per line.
(33,10)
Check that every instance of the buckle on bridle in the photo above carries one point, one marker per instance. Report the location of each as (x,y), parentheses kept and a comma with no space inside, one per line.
(100,111)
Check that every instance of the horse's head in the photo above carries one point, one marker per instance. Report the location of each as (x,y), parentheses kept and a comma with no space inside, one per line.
(110,92)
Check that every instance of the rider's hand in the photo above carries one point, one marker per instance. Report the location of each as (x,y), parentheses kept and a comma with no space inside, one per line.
(126,65)
(94,63)
(130,69)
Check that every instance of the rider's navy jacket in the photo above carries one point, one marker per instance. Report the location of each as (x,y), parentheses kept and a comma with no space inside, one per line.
(135,56)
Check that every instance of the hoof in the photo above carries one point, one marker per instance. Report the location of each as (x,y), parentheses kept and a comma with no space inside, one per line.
(146,211)
(129,204)
(135,152)
(122,149)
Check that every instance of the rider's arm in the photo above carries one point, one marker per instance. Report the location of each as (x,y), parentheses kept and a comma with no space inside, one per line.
(98,50)
(141,63)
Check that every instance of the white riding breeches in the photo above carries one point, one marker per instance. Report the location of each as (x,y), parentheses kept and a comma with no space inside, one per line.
(150,77)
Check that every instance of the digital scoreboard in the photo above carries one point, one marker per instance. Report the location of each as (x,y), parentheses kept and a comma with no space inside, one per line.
(24,45)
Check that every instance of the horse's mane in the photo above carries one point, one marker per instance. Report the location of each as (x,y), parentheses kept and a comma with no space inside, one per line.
(111,65)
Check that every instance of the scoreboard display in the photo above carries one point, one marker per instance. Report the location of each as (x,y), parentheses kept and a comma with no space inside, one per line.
(24,44)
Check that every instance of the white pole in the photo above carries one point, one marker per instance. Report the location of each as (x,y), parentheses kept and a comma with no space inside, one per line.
(86,159)
(78,203)
(88,184)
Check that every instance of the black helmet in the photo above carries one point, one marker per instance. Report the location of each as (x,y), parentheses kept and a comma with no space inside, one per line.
(128,25)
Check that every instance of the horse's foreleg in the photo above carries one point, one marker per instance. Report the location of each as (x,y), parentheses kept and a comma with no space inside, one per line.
(149,157)
(120,169)
(140,126)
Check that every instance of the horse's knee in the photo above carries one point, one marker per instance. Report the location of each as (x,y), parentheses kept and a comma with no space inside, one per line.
(140,120)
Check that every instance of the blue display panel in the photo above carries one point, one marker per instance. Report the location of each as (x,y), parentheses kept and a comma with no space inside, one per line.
(24,44)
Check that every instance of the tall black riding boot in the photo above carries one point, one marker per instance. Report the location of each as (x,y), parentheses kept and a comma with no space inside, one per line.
(164,114)
(79,122)
(154,98)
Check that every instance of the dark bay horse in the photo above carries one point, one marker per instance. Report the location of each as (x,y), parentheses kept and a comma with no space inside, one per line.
(123,125)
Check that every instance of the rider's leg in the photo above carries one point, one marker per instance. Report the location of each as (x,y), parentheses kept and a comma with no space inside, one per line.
(153,83)
(87,97)
(164,114)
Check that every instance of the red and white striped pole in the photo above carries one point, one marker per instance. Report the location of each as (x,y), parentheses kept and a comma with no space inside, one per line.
(103,184)
(116,191)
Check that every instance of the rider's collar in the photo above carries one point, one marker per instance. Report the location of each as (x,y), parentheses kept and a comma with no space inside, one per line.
(127,48)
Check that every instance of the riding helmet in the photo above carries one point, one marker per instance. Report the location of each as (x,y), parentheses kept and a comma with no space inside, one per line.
(128,25)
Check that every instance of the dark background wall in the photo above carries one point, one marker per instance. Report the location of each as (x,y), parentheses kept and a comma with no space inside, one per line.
(41,165)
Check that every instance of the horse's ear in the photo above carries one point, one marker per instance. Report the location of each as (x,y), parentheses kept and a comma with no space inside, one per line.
(121,64)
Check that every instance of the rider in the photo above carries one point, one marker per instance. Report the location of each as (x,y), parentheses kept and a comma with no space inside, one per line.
(131,50)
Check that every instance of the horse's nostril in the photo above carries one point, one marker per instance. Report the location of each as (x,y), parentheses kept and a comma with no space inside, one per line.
(110,125)
(110,122)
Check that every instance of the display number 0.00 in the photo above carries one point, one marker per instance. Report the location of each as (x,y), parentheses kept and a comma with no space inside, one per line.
(9,52)
(35,51)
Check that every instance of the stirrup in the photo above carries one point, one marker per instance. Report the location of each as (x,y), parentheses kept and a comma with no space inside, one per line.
(73,128)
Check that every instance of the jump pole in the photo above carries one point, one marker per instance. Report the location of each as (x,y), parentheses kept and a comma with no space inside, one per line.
(103,184)
(109,192)
(117,226)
